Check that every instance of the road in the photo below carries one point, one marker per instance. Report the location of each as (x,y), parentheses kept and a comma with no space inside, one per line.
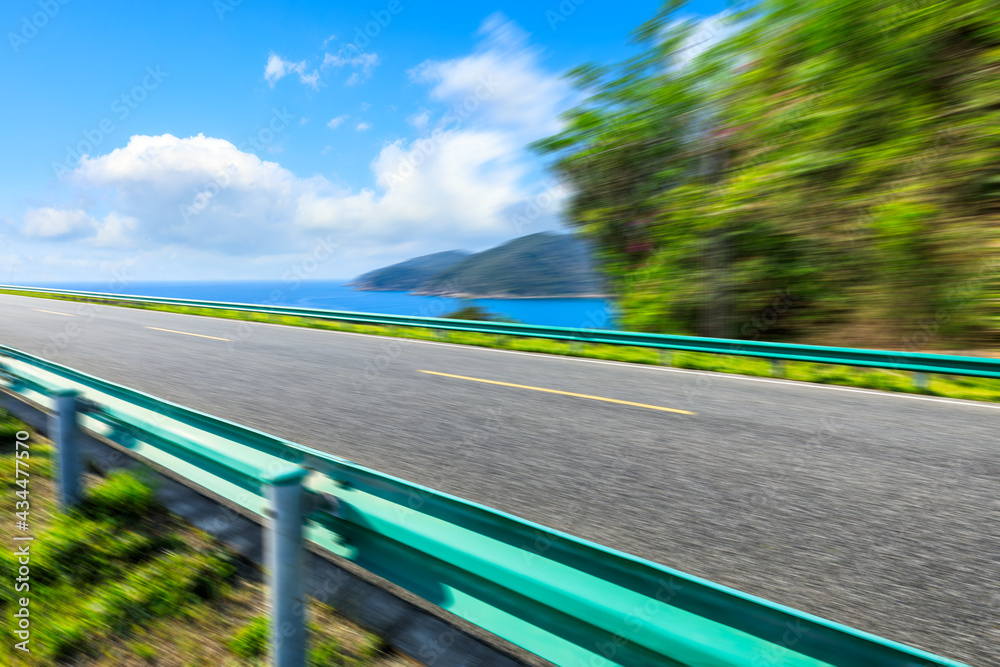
(872,509)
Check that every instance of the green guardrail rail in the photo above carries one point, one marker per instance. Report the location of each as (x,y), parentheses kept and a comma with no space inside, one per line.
(570,601)
(917,362)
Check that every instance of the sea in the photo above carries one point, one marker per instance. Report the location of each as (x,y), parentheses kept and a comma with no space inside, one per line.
(584,312)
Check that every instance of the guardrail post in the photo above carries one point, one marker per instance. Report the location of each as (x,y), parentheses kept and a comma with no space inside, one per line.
(666,357)
(575,347)
(920,379)
(64,428)
(284,558)
(778,367)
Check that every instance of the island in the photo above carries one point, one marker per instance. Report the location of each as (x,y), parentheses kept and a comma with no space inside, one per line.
(542,265)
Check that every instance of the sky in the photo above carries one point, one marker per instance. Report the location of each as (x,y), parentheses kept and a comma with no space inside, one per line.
(241,139)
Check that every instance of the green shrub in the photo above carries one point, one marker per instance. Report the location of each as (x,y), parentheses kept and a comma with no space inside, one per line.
(8,571)
(122,498)
(251,641)
(74,548)
(145,651)
(372,647)
(8,430)
(83,551)
(211,576)
(64,639)
(328,652)
(162,587)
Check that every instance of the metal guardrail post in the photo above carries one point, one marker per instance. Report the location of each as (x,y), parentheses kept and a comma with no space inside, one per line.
(920,380)
(64,427)
(778,368)
(666,357)
(284,559)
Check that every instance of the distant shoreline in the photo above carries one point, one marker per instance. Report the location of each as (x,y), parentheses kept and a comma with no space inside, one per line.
(466,295)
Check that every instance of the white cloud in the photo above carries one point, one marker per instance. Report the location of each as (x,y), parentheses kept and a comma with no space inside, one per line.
(55,223)
(194,192)
(363,126)
(328,40)
(77,225)
(502,78)
(462,189)
(202,202)
(115,231)
(311,80)
(420,120)
(363,61)
(278,68)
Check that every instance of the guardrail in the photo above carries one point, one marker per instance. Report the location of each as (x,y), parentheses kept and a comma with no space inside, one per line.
(565,599)
(916,362)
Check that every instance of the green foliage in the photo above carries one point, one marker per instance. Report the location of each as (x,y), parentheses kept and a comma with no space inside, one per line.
(328,653)
(122,498)
(470,312)
(8,430)
(112,567)
(145,651)
(843,152)
(371,648)
(62,641)
(40,461)
(84,551)
(104,588)
(160,587)
(252,640)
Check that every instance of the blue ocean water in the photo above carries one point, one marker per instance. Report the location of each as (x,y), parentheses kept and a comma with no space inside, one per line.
(591,313)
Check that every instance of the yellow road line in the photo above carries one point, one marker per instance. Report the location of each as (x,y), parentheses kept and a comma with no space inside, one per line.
(52,312)
(187,334)
(563,393)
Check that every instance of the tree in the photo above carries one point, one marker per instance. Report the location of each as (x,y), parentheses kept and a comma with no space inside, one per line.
(841,151)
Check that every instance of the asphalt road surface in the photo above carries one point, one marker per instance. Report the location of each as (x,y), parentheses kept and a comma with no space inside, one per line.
(877,510)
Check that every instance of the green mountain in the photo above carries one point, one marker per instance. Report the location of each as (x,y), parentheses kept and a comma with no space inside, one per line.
(411,274)
(543,264)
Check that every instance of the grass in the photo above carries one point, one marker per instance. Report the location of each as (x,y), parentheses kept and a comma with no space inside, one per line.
(121,581)
(970,388)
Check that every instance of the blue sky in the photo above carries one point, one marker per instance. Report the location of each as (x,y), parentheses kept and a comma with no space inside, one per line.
(230,139)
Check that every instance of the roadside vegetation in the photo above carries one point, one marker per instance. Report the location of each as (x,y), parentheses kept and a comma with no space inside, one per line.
(121,581)
(838,151)
(976,389)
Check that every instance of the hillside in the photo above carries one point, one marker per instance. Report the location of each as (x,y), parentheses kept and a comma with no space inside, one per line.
(793,157)
(410,274)
(538,265)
